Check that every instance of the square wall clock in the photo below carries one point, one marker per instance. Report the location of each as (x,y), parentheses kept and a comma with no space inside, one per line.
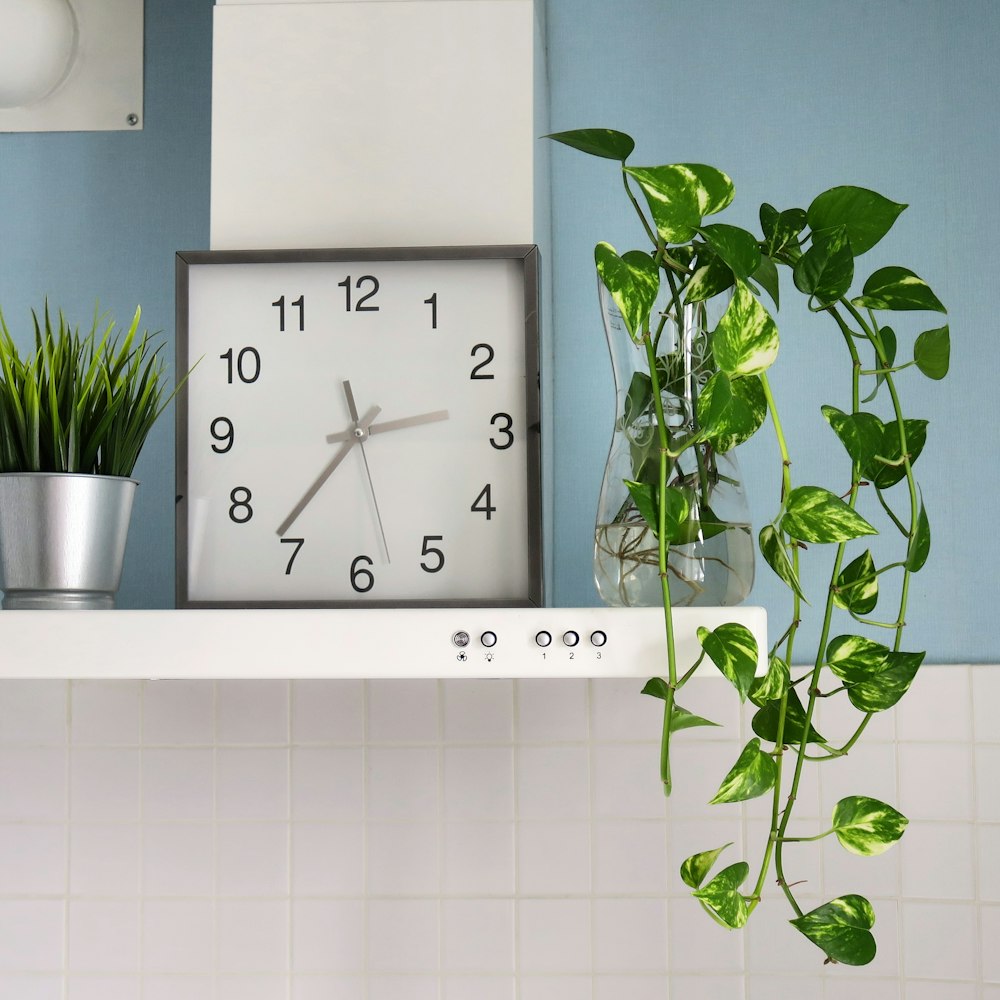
(360,428)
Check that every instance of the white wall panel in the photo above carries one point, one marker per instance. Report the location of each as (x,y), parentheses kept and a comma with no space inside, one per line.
(373,124)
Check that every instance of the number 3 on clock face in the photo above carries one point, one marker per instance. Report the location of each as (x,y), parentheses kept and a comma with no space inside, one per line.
(361,428)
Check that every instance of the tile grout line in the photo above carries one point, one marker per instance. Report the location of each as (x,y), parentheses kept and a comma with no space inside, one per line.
(515,834)
(365,795)
(289,687)
(976,843)
(440,812)
(67,846)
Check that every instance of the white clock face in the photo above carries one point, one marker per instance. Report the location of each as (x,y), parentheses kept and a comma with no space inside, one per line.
(357,431)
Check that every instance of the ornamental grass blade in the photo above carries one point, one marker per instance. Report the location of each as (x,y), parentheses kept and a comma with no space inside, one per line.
(889,685)
(746,340)
(842,929)
(857,586)
(867,826)
(932,352)
(753,774)
(855,659)
(604,142)
(898,289)
(633,280)
(733,649)
(722,899)
(695,869)
(772,548)
(813,514)
(865,215)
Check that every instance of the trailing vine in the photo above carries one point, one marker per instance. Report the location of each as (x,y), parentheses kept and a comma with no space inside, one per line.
(818,247)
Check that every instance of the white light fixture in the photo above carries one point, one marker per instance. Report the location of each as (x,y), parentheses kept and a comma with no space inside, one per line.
(37,48)
(70,65)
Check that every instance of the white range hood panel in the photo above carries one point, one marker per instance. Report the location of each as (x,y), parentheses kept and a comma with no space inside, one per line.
(611,642)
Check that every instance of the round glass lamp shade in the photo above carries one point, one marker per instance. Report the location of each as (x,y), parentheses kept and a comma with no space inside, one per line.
(38,40)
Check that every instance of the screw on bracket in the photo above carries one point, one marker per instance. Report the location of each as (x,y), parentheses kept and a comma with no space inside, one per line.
(132,119)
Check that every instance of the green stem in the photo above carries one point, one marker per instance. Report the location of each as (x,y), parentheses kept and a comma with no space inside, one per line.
(663,551)
(806,840)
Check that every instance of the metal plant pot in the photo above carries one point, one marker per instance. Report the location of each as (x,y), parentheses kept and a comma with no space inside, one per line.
(62,539)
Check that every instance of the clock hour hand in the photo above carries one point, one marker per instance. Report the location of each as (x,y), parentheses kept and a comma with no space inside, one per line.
(352,407)
(394,425)
(350,441)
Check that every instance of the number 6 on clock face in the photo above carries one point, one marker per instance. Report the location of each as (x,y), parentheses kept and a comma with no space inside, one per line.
(361,428)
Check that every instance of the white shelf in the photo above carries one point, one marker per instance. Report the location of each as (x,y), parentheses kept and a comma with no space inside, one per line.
(353,643)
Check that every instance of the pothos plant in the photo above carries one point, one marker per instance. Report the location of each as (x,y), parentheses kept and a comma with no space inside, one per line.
(860,654)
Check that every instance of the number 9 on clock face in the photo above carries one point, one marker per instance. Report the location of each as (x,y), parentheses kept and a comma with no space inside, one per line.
(360,428)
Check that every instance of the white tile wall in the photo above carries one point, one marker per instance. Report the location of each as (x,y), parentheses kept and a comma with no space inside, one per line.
(464,840)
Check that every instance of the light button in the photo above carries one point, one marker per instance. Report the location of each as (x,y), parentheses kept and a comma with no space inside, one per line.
(598,638)
(488,639)
(543,638)
(571,638)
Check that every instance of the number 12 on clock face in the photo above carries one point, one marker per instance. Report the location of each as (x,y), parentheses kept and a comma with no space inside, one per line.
(361,428)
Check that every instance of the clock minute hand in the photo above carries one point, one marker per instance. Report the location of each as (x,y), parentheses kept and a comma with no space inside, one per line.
(351,439)
(394,425)
(361,435)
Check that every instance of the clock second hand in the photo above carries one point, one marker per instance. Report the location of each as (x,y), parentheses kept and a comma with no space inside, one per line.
(362,433)
(350,441)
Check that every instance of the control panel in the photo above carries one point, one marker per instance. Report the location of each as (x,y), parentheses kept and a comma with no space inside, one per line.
(354,643)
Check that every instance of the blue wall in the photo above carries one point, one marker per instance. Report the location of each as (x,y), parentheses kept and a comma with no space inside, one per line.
(788,97)
(97,216)
(791,98)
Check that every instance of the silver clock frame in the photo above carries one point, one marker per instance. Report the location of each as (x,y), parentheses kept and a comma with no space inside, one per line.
(526,254)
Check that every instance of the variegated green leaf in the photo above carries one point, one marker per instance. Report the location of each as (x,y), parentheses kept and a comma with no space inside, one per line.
(866,826)
(813,514)
(866,215)
(633,281)
(675,197)
(742,416)
(857,586)
(854,659)
(932,352)
(753,774)
(695,869)
(826,269)
(722,899)
(886,470)
(898,289)
(604,142)
(765,722)
(712,277)
(888,338)
(860,433)
(781,229)
(680,718)
(766,276)
(735,246)
(733,649)
(772,548)
(772,685)
(889,685)
(746,340)
(638,399)
(920,546)
(842,929)
(644,497)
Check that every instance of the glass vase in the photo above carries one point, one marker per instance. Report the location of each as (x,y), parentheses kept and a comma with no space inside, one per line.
(713,563)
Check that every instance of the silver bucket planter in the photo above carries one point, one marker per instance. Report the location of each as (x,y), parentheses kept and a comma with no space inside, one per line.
(62,539)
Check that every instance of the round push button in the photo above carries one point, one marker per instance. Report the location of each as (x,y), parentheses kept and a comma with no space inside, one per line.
(598,638)
(571,638)
(543,638)
(488,639)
